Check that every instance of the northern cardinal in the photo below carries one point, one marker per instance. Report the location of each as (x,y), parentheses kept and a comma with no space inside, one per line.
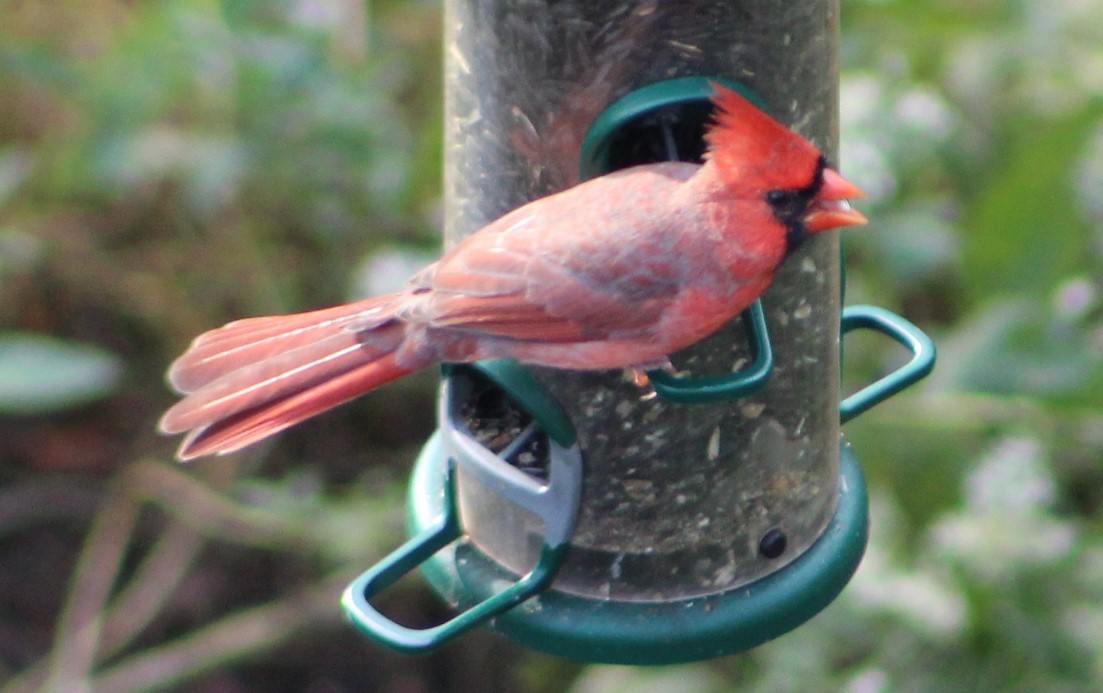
(616,272)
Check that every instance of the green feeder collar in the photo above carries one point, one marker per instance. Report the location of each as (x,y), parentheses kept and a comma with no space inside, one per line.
(642,633)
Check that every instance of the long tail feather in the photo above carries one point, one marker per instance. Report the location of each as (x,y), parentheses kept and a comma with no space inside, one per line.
(277,377)
(252,425)
(245,342)
(249,379)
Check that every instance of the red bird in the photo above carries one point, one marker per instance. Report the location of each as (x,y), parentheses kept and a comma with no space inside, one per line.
(616,272)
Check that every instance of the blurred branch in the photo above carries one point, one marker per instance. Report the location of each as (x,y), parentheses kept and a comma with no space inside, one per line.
(78,630)
(203,509)
(87,629)
(233,638)
(91,629)
(146,593)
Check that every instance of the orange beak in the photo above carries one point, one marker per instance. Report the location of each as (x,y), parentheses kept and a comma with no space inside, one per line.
(830,208)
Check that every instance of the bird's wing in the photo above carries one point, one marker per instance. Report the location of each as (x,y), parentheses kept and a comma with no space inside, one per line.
(549,273)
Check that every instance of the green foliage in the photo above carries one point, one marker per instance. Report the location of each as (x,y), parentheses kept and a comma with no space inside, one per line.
(983,571)
(1028,202)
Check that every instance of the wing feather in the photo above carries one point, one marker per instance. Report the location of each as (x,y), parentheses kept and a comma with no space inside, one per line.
(546,272)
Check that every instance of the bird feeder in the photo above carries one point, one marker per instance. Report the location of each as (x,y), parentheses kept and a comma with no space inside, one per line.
(572,511)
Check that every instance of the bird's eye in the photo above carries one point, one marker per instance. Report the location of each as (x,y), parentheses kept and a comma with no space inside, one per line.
(781,198)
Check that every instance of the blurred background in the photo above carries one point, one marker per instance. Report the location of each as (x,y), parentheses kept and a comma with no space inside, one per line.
(166,166)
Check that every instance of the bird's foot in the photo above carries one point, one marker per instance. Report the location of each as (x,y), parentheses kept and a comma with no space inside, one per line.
(640,379)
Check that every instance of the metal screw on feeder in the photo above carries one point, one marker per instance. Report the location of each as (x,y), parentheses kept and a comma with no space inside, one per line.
(719,515)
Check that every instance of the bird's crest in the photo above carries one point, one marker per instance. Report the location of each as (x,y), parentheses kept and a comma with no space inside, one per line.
(749,146)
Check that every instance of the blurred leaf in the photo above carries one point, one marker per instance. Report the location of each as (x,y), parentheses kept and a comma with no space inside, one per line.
(211,167)
(914,243)
(1016,347)
(41,374)
(1025,231)
(15,165)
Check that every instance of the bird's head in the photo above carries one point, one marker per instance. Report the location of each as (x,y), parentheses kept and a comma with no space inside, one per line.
(759,158)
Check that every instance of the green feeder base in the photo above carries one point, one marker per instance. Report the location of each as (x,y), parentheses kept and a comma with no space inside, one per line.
(650,633)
